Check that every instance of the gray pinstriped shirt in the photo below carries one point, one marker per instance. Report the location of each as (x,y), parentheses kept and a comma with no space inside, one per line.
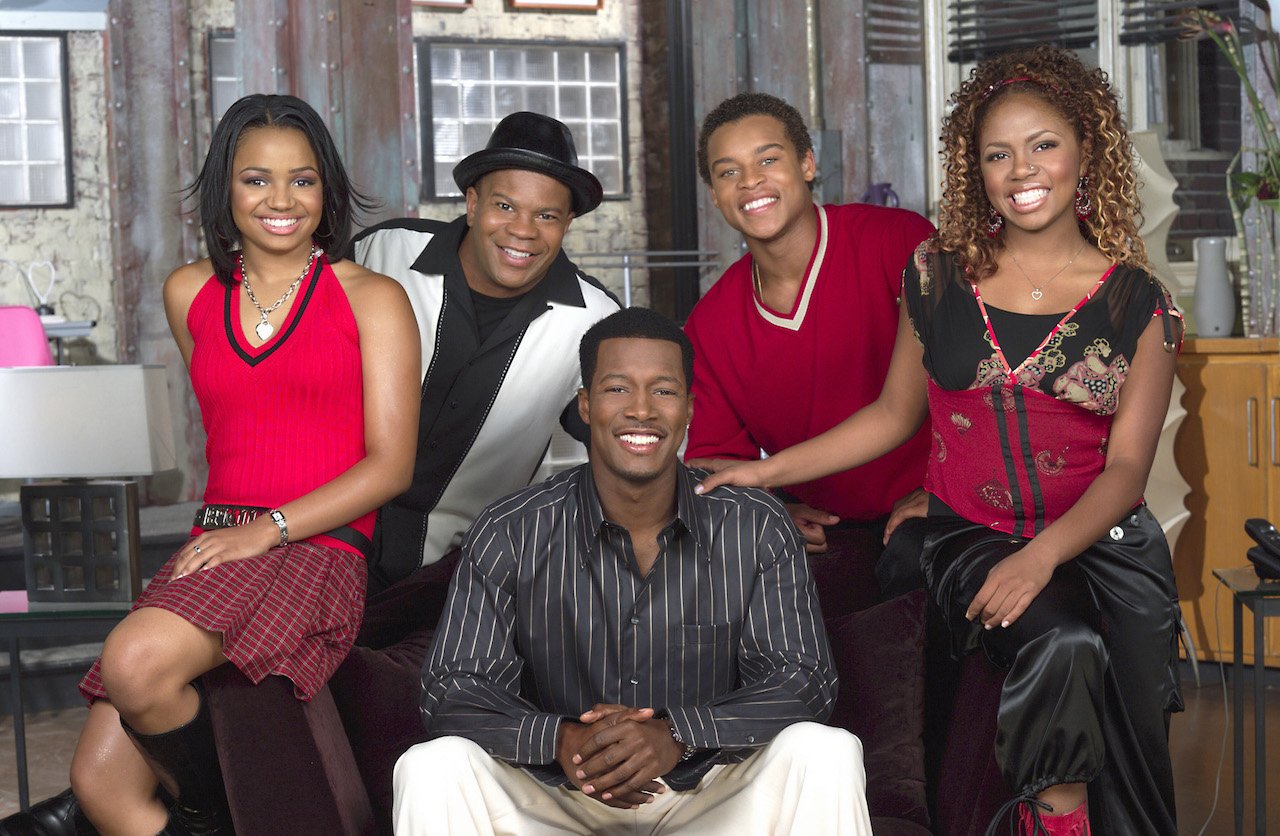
(548,616)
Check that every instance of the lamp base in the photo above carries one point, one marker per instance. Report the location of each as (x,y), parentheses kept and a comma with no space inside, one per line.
(80,541)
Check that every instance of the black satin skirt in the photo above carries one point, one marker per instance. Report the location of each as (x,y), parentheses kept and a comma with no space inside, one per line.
(1092,664)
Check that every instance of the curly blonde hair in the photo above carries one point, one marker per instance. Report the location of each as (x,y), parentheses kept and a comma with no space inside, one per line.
(1083,97)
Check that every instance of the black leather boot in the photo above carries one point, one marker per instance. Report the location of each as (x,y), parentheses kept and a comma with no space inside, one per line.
(56,816)
(189,756)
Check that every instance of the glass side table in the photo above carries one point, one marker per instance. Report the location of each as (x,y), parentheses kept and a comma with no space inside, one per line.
(1263,600)
(17,624)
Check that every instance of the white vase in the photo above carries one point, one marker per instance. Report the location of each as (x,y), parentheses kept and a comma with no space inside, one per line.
(1214,304)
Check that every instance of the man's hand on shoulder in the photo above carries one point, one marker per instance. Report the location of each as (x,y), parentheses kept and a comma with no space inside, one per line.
(616,753)
(713,465)
(914,504)
(812,523)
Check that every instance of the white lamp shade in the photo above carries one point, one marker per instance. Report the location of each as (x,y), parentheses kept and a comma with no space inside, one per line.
(87,421)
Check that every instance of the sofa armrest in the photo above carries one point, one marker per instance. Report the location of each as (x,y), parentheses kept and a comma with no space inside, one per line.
(287,765)
(881,826)
(378,693)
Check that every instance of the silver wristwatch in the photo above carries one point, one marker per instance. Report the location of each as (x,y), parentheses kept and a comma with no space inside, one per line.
(689,748)
(278,518)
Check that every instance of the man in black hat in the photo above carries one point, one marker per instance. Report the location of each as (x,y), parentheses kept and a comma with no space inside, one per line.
(501,309)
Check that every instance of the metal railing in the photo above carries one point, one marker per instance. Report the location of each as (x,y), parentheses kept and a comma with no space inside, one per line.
(629,260)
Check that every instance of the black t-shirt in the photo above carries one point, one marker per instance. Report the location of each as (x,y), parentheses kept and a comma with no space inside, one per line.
(490,311)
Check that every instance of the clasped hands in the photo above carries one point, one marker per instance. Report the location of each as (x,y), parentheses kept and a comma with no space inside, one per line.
(616,753)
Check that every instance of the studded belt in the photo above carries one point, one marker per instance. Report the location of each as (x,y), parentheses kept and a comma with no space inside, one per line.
(228,516)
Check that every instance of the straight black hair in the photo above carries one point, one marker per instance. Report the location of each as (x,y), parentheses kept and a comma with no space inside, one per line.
(341,200)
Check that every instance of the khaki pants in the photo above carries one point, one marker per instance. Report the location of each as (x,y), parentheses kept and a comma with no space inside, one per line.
(809,780)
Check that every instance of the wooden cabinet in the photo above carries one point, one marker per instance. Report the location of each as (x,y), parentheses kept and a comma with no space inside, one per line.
(1228,450)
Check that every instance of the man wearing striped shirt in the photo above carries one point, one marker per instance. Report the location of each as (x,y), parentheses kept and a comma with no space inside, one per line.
(620,653)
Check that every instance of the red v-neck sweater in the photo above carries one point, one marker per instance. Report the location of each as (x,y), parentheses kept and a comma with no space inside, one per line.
(765,380)
(285,417)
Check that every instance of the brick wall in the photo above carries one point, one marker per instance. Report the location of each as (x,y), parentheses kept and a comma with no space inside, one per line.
(1219,100)
(1201,174)
(1201,199)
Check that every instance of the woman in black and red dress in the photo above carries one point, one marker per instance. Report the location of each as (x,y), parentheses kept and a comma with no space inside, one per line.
(306,370)
(1044,353)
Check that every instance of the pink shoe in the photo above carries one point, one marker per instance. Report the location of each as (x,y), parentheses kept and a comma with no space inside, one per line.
(1074,823)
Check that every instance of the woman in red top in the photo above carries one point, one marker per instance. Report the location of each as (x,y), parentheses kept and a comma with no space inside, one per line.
(306,370)
(1044,354)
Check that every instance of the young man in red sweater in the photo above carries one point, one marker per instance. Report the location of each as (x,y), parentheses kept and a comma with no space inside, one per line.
(797,334)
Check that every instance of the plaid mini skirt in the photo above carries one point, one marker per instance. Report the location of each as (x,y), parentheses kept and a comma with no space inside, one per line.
(293,611)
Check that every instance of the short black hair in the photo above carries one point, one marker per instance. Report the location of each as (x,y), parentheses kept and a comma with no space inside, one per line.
(341,200)
(751,104)
(643,323)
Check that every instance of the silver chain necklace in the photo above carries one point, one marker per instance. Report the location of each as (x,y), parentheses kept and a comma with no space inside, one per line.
(265,329)
(1036,293)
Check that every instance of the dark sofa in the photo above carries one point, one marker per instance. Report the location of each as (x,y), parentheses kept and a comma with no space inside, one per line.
(326,767)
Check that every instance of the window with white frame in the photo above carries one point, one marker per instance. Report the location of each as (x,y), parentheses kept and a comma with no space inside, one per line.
(34,142)
(465,89)
(225,82)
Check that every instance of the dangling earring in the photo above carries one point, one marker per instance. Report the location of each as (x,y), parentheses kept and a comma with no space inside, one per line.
(1084,204)
(995,222)
(330,218)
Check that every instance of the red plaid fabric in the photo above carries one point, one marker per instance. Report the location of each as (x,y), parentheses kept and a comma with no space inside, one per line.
(293,611)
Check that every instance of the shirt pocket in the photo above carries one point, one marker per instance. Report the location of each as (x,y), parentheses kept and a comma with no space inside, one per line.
(707,660)
(707,633)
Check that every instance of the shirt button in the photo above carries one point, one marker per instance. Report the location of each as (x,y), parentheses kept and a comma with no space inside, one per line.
(433,445)
(751,738)
(1117,533)
(635,619)
(453,405)
(635,682)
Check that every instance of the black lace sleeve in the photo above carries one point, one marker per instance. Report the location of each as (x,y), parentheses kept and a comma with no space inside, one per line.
(1134,298)
(927,275)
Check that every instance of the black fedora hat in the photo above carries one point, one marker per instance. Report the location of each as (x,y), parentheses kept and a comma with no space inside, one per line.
(538,143)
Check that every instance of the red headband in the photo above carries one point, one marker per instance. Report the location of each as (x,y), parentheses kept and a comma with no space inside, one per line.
(992,88)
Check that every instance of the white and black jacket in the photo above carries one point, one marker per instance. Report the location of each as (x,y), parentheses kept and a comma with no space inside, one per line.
(488,409)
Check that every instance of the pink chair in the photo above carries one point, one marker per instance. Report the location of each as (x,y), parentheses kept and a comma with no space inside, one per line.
(22,338)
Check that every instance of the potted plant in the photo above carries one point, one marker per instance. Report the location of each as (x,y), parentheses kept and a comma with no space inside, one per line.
(1253,178)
